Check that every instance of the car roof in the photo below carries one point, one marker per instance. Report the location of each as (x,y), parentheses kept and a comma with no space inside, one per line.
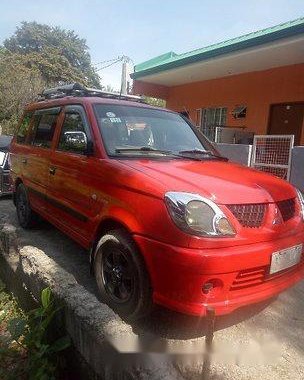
(73,100)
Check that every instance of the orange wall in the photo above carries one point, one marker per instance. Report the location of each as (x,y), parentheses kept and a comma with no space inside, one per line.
(150,89)
(257,90)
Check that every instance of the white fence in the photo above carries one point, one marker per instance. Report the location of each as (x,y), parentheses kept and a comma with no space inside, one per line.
(272,154)
(242,153)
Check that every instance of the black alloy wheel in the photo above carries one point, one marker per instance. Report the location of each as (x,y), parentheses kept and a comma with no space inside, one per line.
(118,274)
(121,275)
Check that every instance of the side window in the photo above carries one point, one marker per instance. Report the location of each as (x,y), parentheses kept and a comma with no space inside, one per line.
(24,128)
(43,129)
(73,134)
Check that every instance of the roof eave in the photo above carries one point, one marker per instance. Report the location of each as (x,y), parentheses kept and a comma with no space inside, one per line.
(238,46)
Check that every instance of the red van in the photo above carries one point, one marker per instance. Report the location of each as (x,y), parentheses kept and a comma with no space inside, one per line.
(165,218)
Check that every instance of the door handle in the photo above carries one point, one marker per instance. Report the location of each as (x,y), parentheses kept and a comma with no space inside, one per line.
(24,161)
(52,170)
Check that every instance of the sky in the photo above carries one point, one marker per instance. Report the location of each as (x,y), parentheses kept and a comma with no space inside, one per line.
(143,29)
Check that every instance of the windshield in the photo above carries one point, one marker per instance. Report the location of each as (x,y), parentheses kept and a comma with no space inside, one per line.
(127,129)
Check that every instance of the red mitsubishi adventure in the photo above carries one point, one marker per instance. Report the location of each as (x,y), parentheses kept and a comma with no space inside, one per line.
(165,218)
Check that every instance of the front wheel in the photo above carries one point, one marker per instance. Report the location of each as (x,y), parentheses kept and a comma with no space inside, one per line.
(26,216)
(121,275)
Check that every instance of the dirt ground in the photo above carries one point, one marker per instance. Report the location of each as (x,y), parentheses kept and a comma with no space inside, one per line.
(263,341)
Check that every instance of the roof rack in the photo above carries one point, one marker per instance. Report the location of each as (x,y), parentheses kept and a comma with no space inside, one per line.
(76,89)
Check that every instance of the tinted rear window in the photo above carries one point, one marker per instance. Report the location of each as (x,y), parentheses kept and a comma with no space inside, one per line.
(24,128)
(44,127)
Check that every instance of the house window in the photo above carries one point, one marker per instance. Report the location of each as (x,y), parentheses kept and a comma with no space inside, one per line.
(212,118)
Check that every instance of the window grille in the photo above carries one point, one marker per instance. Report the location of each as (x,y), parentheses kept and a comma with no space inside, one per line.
(212,118)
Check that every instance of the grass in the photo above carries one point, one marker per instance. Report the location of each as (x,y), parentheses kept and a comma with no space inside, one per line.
(12,355)
(28,347)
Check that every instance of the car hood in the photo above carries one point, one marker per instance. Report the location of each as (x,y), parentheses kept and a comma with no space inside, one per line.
(223,182)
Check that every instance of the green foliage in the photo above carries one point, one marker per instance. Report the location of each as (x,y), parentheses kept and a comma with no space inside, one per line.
(59,54)
(155,102)
(46,298)
(12,356)
(35,57)
(28,343)
(18,86)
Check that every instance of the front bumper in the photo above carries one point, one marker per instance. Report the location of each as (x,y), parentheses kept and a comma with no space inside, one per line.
(239,274)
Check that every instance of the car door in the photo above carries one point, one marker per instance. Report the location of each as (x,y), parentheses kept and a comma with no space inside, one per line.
(36,161)
(71,176)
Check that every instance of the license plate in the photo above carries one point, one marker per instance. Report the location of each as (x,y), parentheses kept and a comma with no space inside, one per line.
(285,258)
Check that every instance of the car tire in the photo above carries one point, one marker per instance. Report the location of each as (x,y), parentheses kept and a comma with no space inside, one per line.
(26,216)
(121,275)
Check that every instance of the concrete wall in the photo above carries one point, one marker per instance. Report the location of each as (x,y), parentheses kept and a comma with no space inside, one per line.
(239,153)
(297,167)
(26,270)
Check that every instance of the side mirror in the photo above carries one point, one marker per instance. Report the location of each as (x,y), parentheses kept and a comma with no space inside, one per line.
(77,141)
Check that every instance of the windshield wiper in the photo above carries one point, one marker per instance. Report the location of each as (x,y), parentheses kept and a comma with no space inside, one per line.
(203,152)
(143,149)
(148,149)
(181,154)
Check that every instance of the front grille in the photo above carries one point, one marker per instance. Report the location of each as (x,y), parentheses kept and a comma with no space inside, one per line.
(287,208)
(260,275)
(249,215)
(248,278)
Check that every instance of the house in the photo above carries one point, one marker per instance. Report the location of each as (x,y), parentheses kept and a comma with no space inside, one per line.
(254,82)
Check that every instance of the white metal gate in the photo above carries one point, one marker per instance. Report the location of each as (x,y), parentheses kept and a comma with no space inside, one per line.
(272,154)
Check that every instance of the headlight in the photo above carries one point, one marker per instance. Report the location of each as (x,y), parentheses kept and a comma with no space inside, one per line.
(301,201)
(197,215)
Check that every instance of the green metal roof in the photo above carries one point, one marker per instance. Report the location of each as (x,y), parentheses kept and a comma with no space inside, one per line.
(172,60)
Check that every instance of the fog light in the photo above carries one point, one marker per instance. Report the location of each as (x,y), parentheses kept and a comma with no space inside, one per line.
(212,286)
(207,287)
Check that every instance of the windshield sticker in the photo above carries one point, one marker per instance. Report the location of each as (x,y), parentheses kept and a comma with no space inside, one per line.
(110,114)
(115,120)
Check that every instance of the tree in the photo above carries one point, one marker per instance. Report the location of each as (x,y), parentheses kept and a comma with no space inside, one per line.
(60,55)
(156,102)
(35,57)
(18,85)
